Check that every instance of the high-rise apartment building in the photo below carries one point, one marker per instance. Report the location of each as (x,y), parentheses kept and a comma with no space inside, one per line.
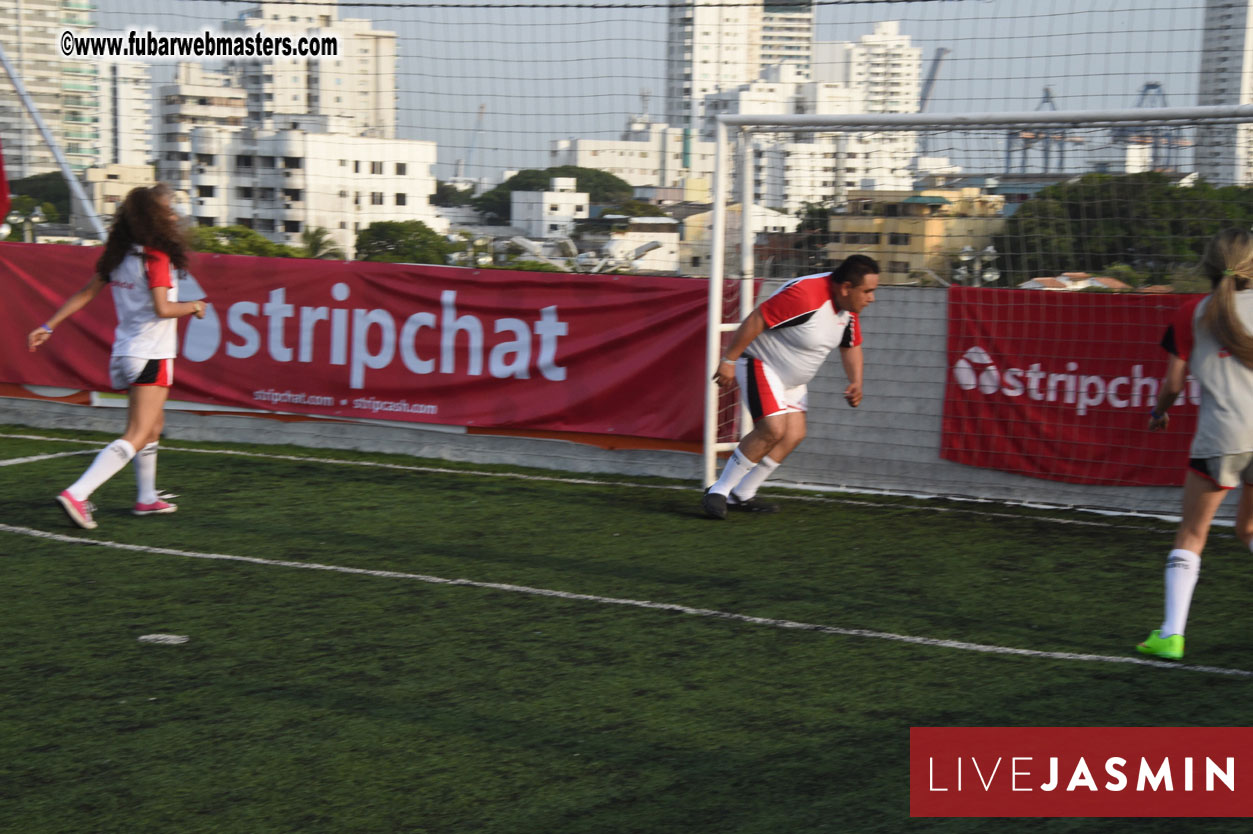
(65,92)
(125,113)
(197,97)
(787,32)
(1223,154)
(709,47)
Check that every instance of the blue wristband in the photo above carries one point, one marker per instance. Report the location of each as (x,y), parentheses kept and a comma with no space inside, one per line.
(46,327)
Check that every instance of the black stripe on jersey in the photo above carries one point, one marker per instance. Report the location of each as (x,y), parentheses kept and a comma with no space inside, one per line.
(792,322)
(752,394)
(847,341)
(1168,341)
(149,374)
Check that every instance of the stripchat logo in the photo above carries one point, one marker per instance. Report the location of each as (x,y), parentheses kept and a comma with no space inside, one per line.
(365,340)
(1067,384)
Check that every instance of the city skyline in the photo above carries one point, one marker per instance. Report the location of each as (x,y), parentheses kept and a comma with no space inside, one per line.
(452,61)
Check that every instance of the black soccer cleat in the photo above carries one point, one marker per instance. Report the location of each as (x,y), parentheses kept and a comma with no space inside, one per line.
(714,505)
(752,505)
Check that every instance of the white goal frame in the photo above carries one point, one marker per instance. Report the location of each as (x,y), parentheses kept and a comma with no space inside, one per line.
(747,124)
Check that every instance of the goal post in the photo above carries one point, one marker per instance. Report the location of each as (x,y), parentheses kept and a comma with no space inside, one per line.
(744,142)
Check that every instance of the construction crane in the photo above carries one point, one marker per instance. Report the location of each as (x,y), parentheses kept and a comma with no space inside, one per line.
(1164,142)
(925,96)
(463,164)
(1021,141)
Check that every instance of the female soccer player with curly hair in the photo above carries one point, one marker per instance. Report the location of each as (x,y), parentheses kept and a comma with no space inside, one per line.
(144,250)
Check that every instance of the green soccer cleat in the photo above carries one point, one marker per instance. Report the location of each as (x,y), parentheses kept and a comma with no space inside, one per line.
(1169,648)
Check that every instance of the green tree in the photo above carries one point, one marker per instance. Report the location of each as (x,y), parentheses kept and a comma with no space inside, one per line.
(447,194)
(409,241)
(635,208)
(237,240)
(317,243)
(600,187)
(44,189)
(1099,221)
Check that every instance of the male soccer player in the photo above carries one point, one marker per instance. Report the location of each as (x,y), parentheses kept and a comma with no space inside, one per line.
(773,355)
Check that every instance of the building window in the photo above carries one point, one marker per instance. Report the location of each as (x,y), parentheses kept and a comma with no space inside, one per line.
(376,167)
(206,221)
(265,161)
(376,198)
(898,239)
(265,224)
(205,191)
(402,169)
(265,193)
(292,194)
(401,200)
(356,166)
(244,193)
(293,162)
(291,226)
(898,267)
(246,222)
(204,158)
(554,227)
(243,162)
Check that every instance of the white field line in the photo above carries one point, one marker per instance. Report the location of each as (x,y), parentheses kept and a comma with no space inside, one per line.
(34,458)
(634,603)
(437,470)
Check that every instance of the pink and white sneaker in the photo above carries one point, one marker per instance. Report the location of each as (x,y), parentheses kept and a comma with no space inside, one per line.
(78,511)
(157,507)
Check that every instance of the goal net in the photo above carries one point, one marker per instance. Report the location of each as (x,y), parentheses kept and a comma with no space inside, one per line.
(1030,264)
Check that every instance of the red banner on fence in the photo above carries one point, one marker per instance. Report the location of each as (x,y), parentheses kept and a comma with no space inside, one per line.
(1059,385)
(605,354)
(1080,771)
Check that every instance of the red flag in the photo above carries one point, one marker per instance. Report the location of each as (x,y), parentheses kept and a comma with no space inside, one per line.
(4,189)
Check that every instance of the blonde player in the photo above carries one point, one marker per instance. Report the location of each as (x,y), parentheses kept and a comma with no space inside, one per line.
(144,250)
(1214,339)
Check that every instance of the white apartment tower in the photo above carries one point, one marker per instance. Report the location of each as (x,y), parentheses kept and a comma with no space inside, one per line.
(125,114)
(357,86)
(65,92)
(198,97)
(1223,151)
(709,47)
(787,32)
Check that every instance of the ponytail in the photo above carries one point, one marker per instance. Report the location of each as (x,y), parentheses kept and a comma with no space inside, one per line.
(1228,263)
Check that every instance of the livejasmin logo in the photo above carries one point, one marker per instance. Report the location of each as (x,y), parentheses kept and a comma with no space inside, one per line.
(1023,774)
(1079,771)
(977,370)
(330,335)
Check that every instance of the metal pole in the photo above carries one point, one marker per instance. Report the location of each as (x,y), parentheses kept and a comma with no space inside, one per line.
(713,338)
(76,189)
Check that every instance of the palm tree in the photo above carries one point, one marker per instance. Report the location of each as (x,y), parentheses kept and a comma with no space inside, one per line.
(317,243)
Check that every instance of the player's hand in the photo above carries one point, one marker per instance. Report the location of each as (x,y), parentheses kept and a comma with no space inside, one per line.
(201,306)
(852,395)
(1158,423)
(37,337)
(725,374)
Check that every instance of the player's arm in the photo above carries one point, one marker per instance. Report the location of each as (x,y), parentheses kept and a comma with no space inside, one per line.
(167,309)
(160,280)
(749,329)
(1172,387)
(852,360)
(72,305)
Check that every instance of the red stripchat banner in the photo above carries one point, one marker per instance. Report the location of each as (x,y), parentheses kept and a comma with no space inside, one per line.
(1081,771)
(1059,385)
(604,354)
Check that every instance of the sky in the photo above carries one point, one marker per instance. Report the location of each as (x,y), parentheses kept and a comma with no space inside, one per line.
(566,68)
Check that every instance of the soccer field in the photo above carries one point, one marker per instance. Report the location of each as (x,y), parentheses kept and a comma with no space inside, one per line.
(380,644)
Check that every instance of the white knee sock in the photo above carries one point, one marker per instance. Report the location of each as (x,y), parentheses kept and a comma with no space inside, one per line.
(146,474)
(737,467)
(1182,569)
(107,464)
(750,483)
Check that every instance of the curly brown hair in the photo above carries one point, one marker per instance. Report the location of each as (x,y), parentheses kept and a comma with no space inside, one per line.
(144,219)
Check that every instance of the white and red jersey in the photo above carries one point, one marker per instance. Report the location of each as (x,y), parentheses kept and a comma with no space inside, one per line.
(1224,425)
(140,331)
(803,327)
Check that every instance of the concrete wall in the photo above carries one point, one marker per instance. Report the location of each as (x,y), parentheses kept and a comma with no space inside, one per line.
(890,443)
